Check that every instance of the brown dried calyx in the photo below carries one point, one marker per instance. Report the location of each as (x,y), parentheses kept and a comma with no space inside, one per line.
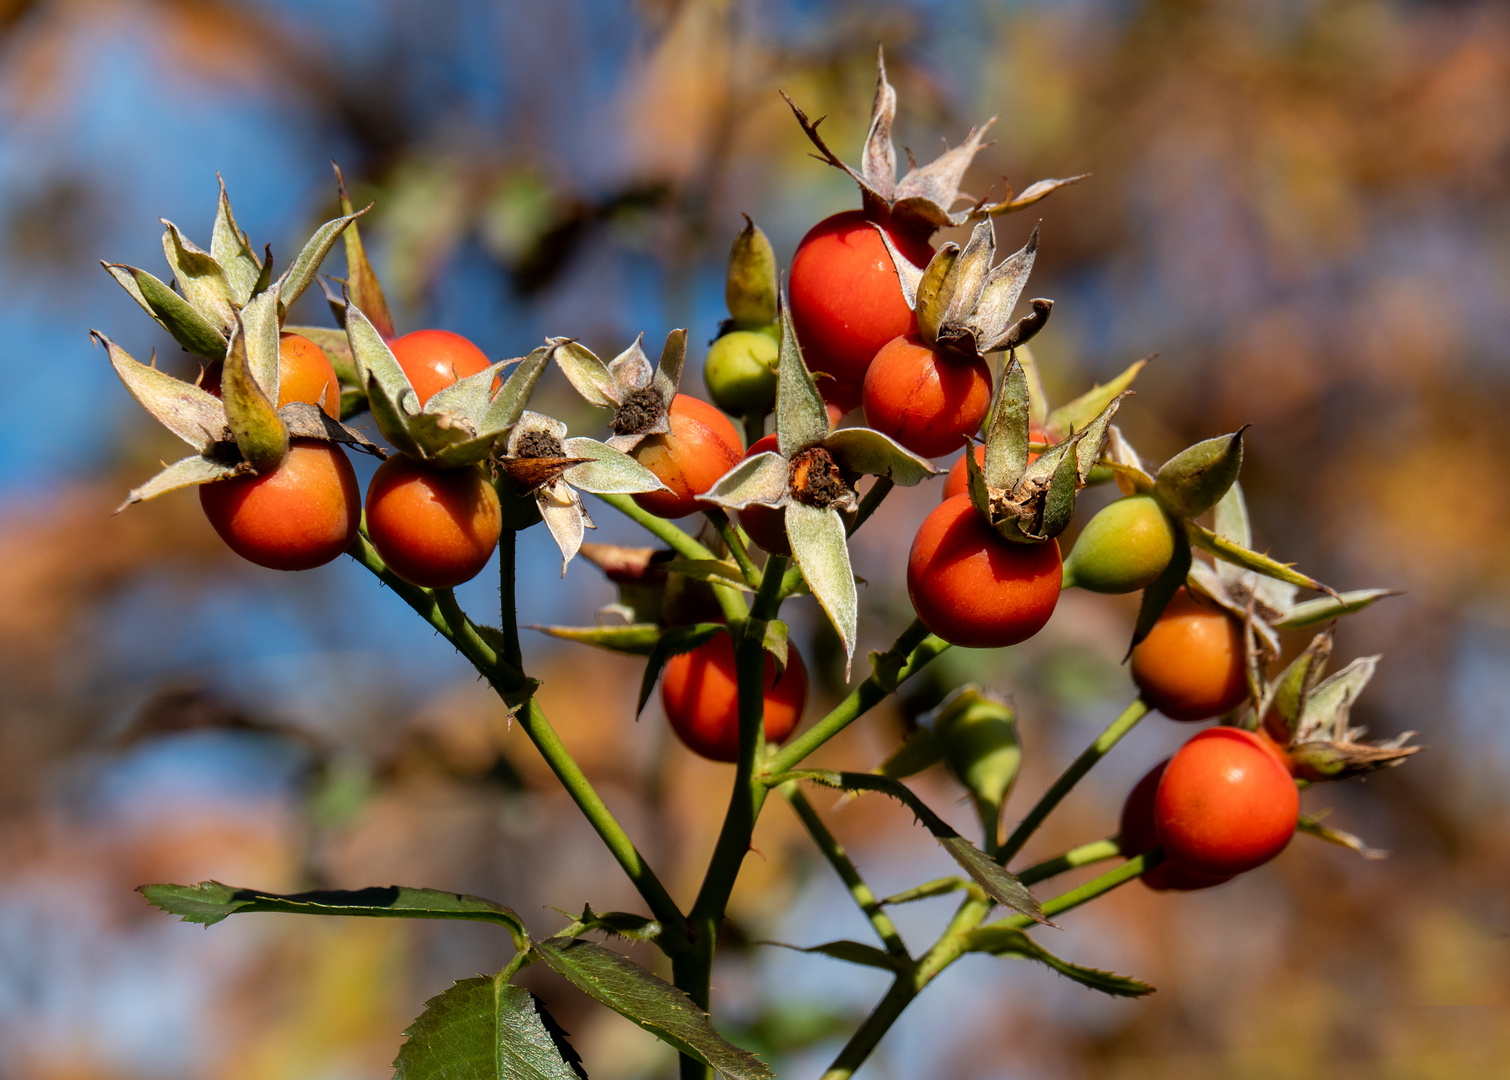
(639,412)
(539,444)
(817,480)
(922,200)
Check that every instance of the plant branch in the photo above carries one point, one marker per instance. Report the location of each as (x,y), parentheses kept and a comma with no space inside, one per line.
(687,547)
(1119,727)
(877,1024)
(873,498)
(735,544)
(834,852)
(1084,855)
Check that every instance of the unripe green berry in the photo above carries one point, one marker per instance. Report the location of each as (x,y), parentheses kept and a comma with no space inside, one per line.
(979,739)
(741,372)
(1123,548)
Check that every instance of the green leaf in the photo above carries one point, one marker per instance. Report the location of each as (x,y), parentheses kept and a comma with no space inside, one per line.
(801,416)
(484,1029)
(199,278)
(851,952)
(1007,429)
(230,248)
(607,471)
(1085,408)
(194,415)
(1195,479)
(1007,941)
(862,450)
(714,570)
(361,279)
(210,901)
(185,472)
(657,1006)
(1326,608)
(259,431)
(673,642)
(634,639)
(1161,590)
(585,371)
(1238,555)
(173,313)
(750,284)
(821,549)
(622,924)
(301,272)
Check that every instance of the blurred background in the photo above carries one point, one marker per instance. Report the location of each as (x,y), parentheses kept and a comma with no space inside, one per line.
(1301,206)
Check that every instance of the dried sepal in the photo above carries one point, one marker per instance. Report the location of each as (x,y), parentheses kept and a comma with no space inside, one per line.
(1080,412)
(232,251)
(564,515)
(1284,700)
(305,420)
(200,278)
(1326,746)
(1127,467)
(194,415)
(750,286)
(1033,193)
(1222,548)
(640,395)
(186,472)
(361,280)
(1311,825)
(934,288)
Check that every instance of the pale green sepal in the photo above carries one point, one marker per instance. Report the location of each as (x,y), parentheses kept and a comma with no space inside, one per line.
(631,369)
(1311,825)
(484,1029)
(990,321)
(969,273)
(1329,703)
(1195,479)
(1285,699)
(975,483)
(508,404)
(1059,498)
(1326,608)
(1007,429)
(199,278)
(301,272)
(259,324)
(1222,548)
(194,415)
(467,398)
(1031,194)
(909,275)
(260,433)
(361,280)
(609,472)
(801,417)
(750,284)
(1038,399)
(934,290)
(1000,940)
(1093,438)
(585,371)
(172,312)
(868,452)
(230,248)
(920,751)
(717,571)
(819,544)
(763,479)
(185,472)
(389,393)
(334,343)
(668,370)
(1085,408)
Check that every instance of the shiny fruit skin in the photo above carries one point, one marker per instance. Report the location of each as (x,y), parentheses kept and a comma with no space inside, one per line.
(765,525)
(1123,548)
(304,373)
(701,446)
(740,372)
(1190,666)
(433,527)
(925,398)
(301,515)
(1137,835)
(957,481)
(434,359)
(1224,804)
(700,694)
(846,301)
(971,587)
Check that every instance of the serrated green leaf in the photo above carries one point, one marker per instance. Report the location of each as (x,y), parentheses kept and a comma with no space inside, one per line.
(301,272)
(607,471)
(851,952)
(1000,940)
(801,416)
(1327,608)
(260,433)
(660,1008)
(194,415)
(763,478)
(172,312)
(864,451)
(200,278)
(361,280)
(633,639)
(210,901)
(1085,408)
(484,1029)
(588,374)
(1007,429)
(673,641)
(1156,596)
(185,472)
(820,547)
(1195,479)
(1224,549)
(230,248)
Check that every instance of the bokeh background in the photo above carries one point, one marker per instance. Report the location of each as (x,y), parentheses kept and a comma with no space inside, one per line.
(1301,206)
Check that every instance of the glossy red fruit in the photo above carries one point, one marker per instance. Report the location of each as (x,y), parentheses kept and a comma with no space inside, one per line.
(701,446)
(1137,835)
(434,359)
(1224,804)
(957,481)
(1190,666)
(299,516)
(765,525)
(699,692)
(305,374)
(971,587)
(846,301)
(927,399)
(433,527)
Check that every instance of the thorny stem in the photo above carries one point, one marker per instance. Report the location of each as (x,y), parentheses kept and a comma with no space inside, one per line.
(834,852)
(735,544)
(873,497)
(1078,768)
(1093,852)
(508,544)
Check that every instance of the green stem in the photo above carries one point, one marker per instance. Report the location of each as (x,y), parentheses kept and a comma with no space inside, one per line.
(872,499)
(848,873)
(1084,855)
(1096,886)
(754,423)
(735,544)
(913,649)
(1078,768)
(508,544)
(729,600)
(877,1024)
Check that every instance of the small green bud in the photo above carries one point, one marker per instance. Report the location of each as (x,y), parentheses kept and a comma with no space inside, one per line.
(979,738)
(750,288)
(1195,479)
(740,372)
(1125,547)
